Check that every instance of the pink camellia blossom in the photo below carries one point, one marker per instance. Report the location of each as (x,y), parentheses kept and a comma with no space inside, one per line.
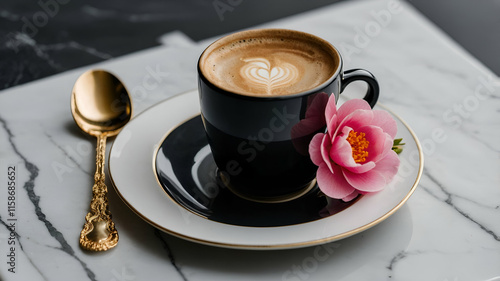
(355,156)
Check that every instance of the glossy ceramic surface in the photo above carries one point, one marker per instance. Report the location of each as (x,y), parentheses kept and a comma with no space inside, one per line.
(186,170)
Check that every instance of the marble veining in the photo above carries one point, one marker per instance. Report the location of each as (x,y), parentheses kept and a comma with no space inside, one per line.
(18,40)
(18,237)
(68,156)
(449,200)
(38,57)
(395,260)
(54,27)
(164,243)
(29,186)
(64,246)
(10,16)
(146,17)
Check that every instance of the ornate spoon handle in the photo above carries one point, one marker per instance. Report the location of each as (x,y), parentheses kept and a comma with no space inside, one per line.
(99,233)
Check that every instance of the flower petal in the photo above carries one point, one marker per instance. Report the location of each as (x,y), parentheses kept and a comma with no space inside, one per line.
(350,106)
(333,184)
(326,146)
(331,125)
(388,166)
(357,119)
(380,142)
(351,196)
(331,108)
(361,168)
(341,153)
(384,120)
(315,149)
(371,181)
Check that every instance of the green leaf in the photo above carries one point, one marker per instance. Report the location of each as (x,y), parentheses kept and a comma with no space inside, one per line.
(397,145)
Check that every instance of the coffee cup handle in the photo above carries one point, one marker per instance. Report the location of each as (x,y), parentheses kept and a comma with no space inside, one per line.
(360,74)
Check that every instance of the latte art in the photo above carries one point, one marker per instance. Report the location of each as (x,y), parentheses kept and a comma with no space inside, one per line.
(266,63)
(260,72)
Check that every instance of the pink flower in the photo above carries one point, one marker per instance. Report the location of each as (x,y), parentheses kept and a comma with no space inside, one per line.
(314,121)
(355,156)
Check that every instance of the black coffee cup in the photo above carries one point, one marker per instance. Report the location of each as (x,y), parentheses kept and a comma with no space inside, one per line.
(259,141)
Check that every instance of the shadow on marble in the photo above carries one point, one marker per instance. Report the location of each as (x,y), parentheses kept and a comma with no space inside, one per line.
(374,249)
(378,246)
(71,128)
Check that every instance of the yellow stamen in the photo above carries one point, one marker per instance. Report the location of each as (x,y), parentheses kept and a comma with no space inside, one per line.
(359,144)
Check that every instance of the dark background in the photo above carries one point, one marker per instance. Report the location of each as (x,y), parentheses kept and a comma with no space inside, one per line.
(42,38)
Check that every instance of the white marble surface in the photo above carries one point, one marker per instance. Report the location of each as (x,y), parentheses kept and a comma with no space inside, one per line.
(448,230)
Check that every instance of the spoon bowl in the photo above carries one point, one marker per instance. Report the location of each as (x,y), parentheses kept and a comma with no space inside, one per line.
(100,103)
(101,106)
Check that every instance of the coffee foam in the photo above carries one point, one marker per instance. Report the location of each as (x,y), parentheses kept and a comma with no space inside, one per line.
(269,77)
(272,65)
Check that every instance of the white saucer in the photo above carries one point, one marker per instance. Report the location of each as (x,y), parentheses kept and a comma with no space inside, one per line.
(133,176)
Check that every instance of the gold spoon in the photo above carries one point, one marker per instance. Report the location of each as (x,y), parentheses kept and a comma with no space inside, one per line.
(101,107)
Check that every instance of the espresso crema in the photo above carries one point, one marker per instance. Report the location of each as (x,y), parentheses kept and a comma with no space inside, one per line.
(269,64)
